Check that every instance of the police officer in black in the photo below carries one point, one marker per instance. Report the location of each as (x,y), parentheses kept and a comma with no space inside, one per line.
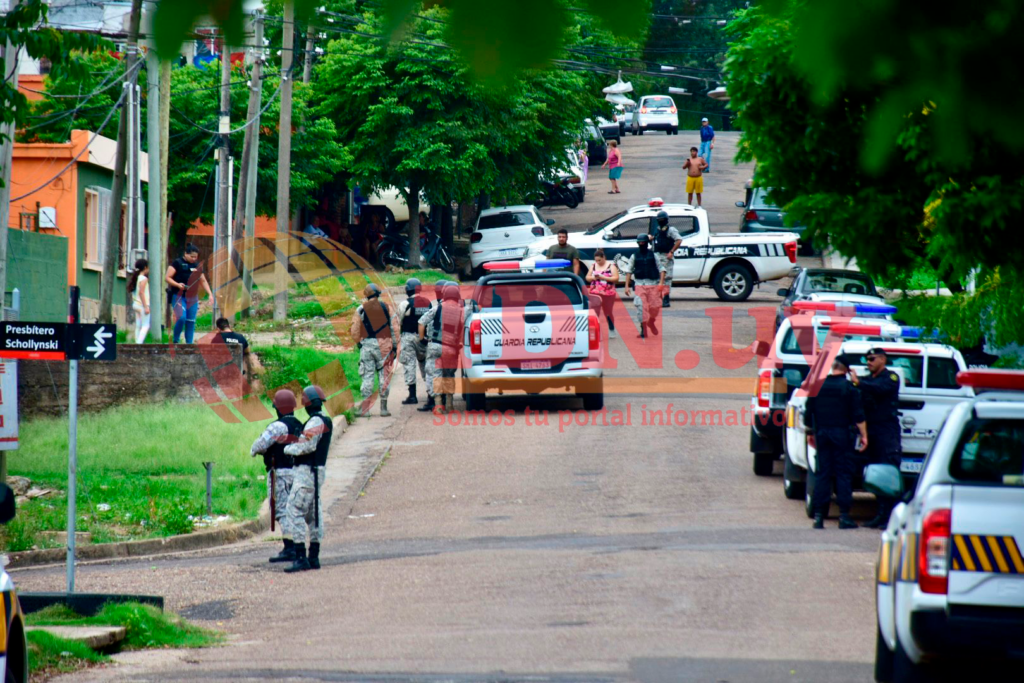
(881,394)
(833,413)
(283,431)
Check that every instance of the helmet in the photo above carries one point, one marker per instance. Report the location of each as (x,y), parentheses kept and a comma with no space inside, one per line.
(662,219)
(313,396)
(451,292)
(412,286)
(439,289)
(643,238)
(284,401)
(371,290)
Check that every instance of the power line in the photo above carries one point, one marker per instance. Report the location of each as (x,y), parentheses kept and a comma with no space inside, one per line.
(247,123)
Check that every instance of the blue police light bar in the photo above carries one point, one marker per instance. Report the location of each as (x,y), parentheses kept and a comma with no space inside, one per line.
(842,306)
(910,332)
(552,263)
(876,308)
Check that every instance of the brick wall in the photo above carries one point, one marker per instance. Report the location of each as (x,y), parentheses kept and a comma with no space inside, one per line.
(142,373)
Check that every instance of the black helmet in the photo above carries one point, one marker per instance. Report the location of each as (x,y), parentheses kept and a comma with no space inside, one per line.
(313,397)
(662,219)
(284,401)
(643,238)
(451,292)
(371,290)
(412,286)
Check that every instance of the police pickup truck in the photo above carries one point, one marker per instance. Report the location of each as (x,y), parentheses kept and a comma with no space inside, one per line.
(784,367)
(950,572)
(531,332)
(731,263)
(928,391)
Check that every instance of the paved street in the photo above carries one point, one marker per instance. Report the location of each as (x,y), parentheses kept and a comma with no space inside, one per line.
(545,552)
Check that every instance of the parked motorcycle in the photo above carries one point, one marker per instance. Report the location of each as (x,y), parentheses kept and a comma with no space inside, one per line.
(394,250)
(557,193)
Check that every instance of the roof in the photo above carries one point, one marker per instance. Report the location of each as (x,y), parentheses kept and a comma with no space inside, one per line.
(837,271)
(859,346)
(505,209)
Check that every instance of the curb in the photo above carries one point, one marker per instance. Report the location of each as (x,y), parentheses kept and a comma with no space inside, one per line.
(150,546)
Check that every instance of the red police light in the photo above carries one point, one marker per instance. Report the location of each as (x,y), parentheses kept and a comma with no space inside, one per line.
(857,330)
(791,251)
(656,202)
(814,306)
(992,379)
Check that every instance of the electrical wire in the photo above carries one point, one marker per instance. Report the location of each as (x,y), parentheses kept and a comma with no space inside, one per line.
(80,108)
(247,123)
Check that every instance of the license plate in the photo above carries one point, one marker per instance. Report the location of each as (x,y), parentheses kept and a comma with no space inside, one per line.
(912,466)
(536,365)
(509,252)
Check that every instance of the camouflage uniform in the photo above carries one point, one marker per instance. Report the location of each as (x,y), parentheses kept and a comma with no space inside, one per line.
(408,355)
(646,299)
(299,501)
(432,364)
(298,521)
(276,432)
(371,358)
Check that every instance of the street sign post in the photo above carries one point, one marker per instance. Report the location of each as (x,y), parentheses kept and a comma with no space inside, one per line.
(33,341)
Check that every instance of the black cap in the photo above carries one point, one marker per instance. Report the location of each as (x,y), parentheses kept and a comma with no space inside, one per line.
(643,238)
(844,360)
(877,351)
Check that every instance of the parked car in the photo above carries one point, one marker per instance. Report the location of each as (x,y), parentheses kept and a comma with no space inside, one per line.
(624,117)
(761,215)
(575,173)
(655,112)
(395,209)
(827,284)
(609,129)
(504,233)
(14,656)
(597,150)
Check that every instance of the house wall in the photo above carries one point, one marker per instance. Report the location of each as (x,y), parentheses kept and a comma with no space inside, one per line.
(37,267)
(88,277)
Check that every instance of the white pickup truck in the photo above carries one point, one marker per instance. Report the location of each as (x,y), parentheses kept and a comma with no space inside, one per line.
(732,263)
(532,332)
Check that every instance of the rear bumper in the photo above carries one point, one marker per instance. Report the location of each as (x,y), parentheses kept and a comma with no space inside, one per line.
(661,124)
(965,629)
(578,376)
(492,255)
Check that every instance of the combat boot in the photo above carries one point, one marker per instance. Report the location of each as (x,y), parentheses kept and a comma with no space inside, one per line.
(287,554)
(666,302)
(301,564)
(652,327)
(411,401)
(846,523)
(643,330)
(877,522)
(428,406)
(384,408)
(819,522)
(314,555)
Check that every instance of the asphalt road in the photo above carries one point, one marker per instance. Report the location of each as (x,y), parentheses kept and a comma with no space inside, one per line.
(563,552)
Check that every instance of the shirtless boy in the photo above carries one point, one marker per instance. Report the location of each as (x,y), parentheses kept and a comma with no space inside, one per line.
(694,166)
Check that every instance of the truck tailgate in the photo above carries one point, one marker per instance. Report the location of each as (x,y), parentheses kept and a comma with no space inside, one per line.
(538,335)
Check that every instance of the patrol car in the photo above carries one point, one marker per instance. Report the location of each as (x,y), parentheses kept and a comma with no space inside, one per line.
(530,332)
(784,367)
(950,571)
(14,655)
(928,391)
(731,263)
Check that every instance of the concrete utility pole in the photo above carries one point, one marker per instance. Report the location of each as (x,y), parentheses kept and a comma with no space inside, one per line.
(245,207)
(162,313)
(154,142)
(10,75)
(222,251)
(284,162)
(113,226)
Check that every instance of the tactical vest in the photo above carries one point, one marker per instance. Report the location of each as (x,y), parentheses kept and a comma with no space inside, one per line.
(436,328)
(318,458)
(275,456)
(662,242)
(645,267)
(413,313)
(368,326)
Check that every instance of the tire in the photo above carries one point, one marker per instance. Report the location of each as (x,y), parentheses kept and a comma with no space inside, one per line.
(570,199)
(581,194)
(640,131)
(475,400)
(446,261)
(635,130)
(906,671)
(883,658)
(733,282)
(764,464)
(808,491)
(793,489)
(477,273)
(593,401)
(675,131)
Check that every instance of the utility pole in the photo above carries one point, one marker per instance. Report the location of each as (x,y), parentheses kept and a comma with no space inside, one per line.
(157,279)
(10,75)
(154,143)
(307,64)
(222,250)
(284,162)
(244,219)
(113,226)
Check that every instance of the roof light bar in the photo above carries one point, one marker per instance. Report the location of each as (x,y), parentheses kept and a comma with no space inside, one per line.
(541,264)
(834,306)
(656,201)
(887,330)
(992,379)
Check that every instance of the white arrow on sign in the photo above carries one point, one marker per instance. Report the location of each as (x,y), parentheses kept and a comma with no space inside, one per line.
(98,347)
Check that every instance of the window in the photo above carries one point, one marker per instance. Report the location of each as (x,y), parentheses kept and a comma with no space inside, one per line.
(518,295)
(598,227)
(93,231)
(912,367)
(506,219)
(990,452)
(658,103)
(631,229)
(686,225)
(839,282)
(942,373)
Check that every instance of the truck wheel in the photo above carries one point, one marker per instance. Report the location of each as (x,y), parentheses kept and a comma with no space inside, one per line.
(764,463)
(733,282)
(475,400)
(808,491)
(593,395)
(906,671)
(794,490)
(883,658)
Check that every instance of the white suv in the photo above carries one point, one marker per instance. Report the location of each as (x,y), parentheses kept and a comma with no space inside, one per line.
(504,233)
(655,112)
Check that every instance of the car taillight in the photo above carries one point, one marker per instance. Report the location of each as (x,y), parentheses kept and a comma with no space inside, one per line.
(476,345)
(751,216)
(764,388)
(791,251)
(574,179)
(476,237)
(595,331)
(538,231)
(811,441)
(933,553)
(672,110)
(643,110)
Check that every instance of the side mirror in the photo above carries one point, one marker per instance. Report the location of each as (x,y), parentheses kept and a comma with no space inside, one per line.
(741,205)
(550,221)
(783,292)
(883,480)
(7,505)
(762,349)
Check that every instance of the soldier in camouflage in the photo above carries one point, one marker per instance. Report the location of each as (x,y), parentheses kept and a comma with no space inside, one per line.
(370,326)
(643,268)
(666,241)
(283,431)
(409,313)
(430,334)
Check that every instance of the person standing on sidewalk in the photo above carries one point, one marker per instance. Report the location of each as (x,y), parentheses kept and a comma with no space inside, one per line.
(409,313)
(184,277)
(707,142)
(614,164)
(694,166)
(281,432)
(602,278)
(139,287)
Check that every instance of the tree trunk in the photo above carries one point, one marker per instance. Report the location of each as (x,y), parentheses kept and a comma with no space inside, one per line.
(446,226)
(412,228)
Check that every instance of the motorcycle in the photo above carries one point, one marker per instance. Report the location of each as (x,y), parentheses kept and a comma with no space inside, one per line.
(557,193)
(393,250)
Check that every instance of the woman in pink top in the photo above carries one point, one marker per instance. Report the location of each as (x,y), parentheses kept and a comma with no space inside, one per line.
(614,164)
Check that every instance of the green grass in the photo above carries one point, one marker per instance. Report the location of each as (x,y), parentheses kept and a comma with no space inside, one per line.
(424,276)
(145,626)
(143,462)
(123,337)
(50,654)
(284,364)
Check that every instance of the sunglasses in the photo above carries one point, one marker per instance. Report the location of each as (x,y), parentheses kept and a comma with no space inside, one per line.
(870,359)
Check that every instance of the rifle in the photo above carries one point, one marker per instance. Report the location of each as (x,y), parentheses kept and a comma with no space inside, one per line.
(316,497)
(273,487)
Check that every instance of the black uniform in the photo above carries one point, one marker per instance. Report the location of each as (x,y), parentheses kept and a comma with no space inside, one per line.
(834,414)
(881,396)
